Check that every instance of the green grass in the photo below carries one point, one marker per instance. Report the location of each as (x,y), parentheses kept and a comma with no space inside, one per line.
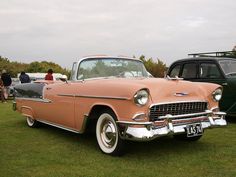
(48,151)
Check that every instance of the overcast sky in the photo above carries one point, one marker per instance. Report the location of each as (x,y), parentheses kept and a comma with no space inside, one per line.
(63,31)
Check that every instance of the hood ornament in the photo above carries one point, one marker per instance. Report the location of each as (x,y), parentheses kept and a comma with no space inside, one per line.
(181,94)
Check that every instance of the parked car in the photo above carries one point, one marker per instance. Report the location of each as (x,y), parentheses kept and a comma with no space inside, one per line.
(219,70)
(116,95)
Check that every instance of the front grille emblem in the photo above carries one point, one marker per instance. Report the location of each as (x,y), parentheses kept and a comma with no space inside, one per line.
(181,94)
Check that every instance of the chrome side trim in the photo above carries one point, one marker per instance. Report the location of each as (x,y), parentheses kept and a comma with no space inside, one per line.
(101,97)
(58,126)
(134,123)
(66,95)
(91,96)
(34,99)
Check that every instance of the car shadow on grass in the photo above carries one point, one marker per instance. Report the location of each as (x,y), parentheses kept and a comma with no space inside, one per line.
(156,147)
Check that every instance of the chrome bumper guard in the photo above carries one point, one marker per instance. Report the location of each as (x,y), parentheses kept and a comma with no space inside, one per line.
(169,125)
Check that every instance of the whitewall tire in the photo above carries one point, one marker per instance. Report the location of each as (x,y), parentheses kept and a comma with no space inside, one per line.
(31,122)
(107,134)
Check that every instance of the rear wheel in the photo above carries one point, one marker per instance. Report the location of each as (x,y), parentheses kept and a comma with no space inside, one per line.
(32,122)
(107,134)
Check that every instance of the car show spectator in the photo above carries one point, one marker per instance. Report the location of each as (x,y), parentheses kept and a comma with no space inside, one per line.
(1,91)
(24,78)
(6,80)
(49,75)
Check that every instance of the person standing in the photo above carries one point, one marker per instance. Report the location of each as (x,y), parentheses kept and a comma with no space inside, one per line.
(6,79)
(1,90)
(24,78)
(49,75)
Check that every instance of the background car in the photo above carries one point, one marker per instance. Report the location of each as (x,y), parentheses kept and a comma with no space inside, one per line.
(210,67)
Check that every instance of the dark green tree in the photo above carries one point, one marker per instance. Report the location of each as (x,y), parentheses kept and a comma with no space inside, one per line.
(157,69)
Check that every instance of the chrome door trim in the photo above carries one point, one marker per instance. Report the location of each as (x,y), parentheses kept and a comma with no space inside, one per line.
(34,99)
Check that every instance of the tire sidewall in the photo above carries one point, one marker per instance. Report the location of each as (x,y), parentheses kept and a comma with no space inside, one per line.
(117,148)
(31,122)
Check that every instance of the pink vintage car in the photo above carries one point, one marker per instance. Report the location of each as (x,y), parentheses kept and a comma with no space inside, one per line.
(117,96)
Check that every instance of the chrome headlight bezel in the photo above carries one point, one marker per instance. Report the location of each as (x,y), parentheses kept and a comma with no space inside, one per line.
(217,94)
(141,97)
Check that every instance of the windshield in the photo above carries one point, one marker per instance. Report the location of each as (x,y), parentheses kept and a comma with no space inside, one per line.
(229,67)
(111,67)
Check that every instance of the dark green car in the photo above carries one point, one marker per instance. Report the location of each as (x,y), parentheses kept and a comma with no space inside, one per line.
(219,70)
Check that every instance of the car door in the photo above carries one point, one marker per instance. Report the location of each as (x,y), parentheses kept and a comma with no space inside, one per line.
(209,71)
(60,109)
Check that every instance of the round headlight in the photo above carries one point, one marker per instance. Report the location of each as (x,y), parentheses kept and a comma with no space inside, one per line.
(141,97)
(217,94)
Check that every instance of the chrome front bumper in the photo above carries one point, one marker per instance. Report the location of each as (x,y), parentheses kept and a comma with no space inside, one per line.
(169,125)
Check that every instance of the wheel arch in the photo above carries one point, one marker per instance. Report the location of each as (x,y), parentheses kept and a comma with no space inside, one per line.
(98,109)
(94,113)
(27,112)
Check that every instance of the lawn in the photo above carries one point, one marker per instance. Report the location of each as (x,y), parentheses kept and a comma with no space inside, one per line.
(48,151)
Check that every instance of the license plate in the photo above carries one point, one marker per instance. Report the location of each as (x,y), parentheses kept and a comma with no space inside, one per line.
(194,130)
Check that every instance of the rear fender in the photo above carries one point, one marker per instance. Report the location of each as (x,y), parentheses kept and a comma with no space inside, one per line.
(27,111)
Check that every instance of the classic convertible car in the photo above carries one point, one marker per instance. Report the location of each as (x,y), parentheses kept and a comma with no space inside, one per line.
(116,95)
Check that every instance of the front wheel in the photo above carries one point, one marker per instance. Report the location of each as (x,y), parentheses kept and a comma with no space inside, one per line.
(107,134)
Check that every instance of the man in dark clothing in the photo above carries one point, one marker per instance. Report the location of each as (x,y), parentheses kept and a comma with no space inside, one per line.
(1,91)
(24,78)
(6,80)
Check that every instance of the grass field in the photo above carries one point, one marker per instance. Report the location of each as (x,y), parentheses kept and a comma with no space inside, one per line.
(48,151)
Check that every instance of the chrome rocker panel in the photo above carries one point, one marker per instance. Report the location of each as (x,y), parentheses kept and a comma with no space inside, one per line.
(146,131)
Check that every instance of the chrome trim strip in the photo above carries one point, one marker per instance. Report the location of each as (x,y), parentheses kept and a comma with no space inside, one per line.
(135,117)
(134,123)
(58,126)
(34,99)
(156,104)
(66,95)
(101,97)
(185,115)
(91,96)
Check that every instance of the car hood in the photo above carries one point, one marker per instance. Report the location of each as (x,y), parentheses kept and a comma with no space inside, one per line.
(160,89)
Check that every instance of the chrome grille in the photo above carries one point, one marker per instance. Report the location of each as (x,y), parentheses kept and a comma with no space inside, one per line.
(176,109)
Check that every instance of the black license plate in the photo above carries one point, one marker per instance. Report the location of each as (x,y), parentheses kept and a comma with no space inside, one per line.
(194,130)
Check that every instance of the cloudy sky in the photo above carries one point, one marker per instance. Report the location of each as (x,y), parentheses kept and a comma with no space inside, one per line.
(63,31)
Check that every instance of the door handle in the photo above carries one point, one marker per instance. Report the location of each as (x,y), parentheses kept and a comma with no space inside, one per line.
(48,88)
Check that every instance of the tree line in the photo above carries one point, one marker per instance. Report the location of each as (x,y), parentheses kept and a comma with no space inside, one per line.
(156,68)
(13,67)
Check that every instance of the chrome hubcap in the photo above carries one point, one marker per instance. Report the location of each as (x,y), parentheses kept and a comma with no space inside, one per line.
(30,121)
(108,134)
